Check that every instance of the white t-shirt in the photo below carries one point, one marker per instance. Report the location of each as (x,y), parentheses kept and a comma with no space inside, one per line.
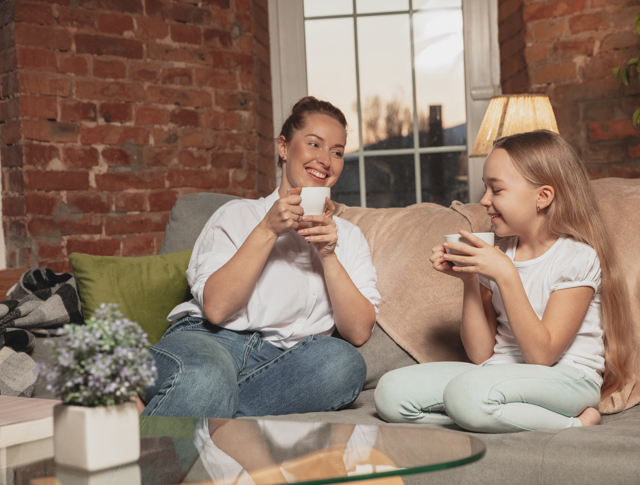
(290,300)
(567,264)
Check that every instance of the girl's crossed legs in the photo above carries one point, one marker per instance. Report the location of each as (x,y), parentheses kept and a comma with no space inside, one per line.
(501,398)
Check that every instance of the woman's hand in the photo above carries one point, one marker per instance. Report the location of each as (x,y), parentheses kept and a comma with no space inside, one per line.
(483,259)
(286,214)
(323,233)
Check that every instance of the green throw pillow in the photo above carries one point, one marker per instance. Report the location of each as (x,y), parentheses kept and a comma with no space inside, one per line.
(147,288)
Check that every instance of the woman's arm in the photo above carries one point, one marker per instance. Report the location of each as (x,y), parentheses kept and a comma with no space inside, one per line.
(479,325)
(229,288)
(353,313)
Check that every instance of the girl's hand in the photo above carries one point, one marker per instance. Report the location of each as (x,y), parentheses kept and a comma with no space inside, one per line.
(286,214)
(483,259)
(323,233)
(443,266)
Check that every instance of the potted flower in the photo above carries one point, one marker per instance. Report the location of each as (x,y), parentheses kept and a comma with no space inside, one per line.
(97,369)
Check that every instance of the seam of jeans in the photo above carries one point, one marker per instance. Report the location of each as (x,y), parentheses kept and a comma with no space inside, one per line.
(277,359)
(582,378)
(171,387)
(248,348)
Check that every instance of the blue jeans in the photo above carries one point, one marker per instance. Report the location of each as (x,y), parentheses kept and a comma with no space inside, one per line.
(501,398)
(207,371)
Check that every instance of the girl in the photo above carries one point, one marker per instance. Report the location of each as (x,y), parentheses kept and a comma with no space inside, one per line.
(545,316)
(270,286)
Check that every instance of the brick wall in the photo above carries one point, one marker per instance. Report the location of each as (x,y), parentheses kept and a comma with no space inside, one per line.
(112,109)
(567,49)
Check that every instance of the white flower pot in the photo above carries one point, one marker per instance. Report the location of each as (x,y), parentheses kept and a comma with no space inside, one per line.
(96,438)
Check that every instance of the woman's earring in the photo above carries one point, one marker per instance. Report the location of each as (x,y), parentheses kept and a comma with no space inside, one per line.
(538,208)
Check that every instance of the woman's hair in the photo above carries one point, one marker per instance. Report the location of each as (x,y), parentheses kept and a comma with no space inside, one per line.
(545,158)
(298,117)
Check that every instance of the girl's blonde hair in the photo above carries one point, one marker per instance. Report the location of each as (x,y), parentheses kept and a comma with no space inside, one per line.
(545,158)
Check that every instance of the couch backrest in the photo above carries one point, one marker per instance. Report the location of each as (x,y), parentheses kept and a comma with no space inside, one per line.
(188,216)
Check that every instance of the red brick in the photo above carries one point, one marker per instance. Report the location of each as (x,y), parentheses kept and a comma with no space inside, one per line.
(226,160)
(144,71)
(236,141)
(12,156)
(50,180)
(11,132)
(38,107)
(218,39)
(189,159)
(76,18)
(547,31)
(97,247)
(115,24)
(49,131)
(151,28)
(587,22)
(101,45)
(188,55)
(158,157)
(13,181)
(87,202)
(234,101)
(10,108)
(560,73)
(185,33)
(36,59)
(612,130)
(164,138)
(33,13)
(232,60)
(115,112)
(35,83)
(180,97)
(43,36)
(57,266)
(223,4)
(109,69)
(216,78)
(632,172)
(162,200)
(78,111)
(574,48)
(148,115)
(198,139)
(552,9)
(74,65)
(48,251)
(242,179)
(116,156)
(179,76)
(188,14)
(13,206)
(128,6)
(8,61)
(203,179)
(634,151)
(113,135)
(135,223)
(128,201)
(138,245)
(185,117)
(142,179)
(39,155)
(80,157)
(619,40)
(109,91)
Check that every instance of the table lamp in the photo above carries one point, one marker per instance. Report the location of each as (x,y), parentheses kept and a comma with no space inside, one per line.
(506,115)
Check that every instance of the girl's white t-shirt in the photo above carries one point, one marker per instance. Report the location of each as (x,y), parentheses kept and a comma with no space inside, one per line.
(567,264)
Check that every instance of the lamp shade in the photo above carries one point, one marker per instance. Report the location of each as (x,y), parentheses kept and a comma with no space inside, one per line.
(508,115)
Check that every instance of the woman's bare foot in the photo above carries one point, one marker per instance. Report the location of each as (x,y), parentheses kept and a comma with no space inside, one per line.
(141,405)
(589,417)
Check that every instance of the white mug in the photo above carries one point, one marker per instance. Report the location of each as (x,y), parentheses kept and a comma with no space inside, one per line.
(487,237)
(313,200)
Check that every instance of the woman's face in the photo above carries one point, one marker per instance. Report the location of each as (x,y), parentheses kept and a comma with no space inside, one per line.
(314,156)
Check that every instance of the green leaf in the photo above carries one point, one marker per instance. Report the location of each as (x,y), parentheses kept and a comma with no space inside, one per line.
(616,72)
(636,118)
(633,61)
(625,76)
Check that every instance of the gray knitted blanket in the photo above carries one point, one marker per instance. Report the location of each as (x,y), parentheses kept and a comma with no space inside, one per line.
(38,304)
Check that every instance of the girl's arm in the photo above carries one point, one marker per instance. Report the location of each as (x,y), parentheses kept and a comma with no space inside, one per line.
(229,288)
(479,326)
(353,313)
(543,341)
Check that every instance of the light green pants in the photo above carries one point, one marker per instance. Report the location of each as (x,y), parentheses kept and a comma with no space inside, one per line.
(501,398)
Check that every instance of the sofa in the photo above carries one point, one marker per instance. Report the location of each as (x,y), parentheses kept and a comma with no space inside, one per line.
(419,319)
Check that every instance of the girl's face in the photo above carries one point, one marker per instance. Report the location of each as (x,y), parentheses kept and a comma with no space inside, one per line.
(510,200)
(314,156)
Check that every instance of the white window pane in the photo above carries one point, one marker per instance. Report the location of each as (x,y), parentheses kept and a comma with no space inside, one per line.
(439,64)
(431,4)
(384,52)
(331,69)
(372,6)
(322,8)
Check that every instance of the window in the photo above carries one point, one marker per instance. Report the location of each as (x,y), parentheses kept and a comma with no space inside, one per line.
(397,69)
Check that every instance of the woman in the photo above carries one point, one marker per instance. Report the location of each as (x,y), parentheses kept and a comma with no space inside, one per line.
(270,286)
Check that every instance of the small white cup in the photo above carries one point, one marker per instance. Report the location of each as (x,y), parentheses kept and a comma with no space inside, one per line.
(313,201)
(487,237)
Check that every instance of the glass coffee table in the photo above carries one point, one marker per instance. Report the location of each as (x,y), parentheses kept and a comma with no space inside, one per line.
(272,452)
